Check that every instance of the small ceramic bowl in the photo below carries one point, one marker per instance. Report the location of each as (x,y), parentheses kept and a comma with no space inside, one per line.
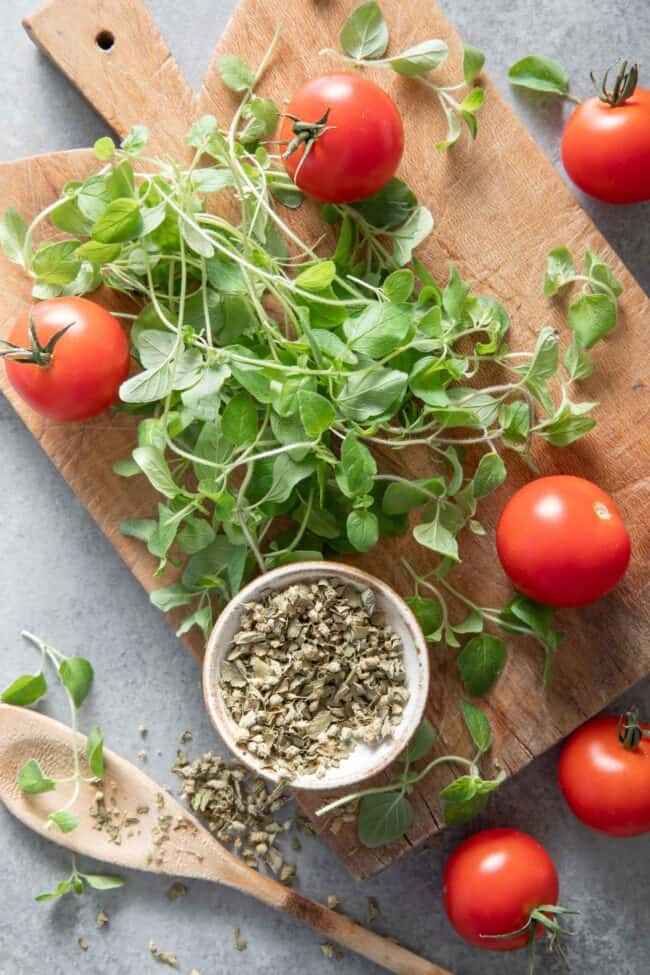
(364,760)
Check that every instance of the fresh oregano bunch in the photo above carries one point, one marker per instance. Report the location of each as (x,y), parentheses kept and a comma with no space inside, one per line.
(386,813)
(275,381)
(591,317)
(75,675)
(364,40)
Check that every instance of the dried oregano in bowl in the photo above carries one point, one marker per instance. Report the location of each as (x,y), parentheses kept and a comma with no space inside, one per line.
(316,674)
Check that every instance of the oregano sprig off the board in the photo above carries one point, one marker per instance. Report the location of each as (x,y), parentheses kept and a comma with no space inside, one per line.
(75,675)
(364,40)
(386,813)
(276,381)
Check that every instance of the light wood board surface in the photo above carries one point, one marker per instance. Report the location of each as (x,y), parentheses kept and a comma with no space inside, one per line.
(499,207)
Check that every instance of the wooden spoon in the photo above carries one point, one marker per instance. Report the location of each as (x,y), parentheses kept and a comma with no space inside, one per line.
(182,847)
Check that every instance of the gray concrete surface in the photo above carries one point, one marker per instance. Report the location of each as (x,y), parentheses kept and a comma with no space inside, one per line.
(62,579)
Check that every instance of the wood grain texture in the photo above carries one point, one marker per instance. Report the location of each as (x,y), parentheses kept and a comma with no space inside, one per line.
(135,81)
(499,207)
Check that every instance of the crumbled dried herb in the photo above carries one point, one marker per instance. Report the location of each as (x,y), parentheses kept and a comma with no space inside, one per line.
(312,671)
(176,890)
(83,944)
(241,809)
(102,919)
(240,941)
(166,957)
(373,910)
(109,819)
(163,830)
(330,951)
(186,737)
(332,901)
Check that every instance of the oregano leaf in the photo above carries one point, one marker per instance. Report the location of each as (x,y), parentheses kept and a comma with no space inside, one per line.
(481,662)
(25,690)
(365,32)
(76,674)
(32,779)
(384,818)
(478,726)
(235,73)
(539,74)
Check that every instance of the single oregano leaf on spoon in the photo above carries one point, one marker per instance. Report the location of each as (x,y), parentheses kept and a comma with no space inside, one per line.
(32,780)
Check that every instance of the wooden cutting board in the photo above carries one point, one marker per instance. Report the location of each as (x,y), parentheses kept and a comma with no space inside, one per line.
(499,207)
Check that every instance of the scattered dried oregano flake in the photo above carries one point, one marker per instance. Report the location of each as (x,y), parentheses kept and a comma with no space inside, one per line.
(332,901)
(313,670)
(330,951)
(241,810)
(102,919)
(166,957)
(373,910)
(240,941)
(83,944)
(176,890)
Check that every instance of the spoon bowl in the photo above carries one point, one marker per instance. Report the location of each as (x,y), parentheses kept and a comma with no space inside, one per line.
(190,850)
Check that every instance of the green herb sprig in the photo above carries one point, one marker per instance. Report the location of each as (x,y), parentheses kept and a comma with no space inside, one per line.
(542,74)
(364,39)
(75,883)
(483,657)
(75,675)
(276,382)
(386,813)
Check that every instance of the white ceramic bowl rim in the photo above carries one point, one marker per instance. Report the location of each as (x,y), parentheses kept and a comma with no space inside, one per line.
(364,761)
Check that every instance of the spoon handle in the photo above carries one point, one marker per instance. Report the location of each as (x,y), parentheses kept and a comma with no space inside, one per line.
(336,927)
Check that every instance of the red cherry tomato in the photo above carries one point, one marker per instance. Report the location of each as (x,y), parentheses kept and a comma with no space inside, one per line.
(606,148)
(81,376)
(562,541)
(492,883)
(359,154)
(606,785)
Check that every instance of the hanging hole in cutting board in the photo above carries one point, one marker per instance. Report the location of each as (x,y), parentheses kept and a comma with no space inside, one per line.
(105,40)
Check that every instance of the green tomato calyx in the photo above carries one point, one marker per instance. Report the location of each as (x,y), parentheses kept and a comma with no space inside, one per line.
(624,85)
(37,354)
(630,731)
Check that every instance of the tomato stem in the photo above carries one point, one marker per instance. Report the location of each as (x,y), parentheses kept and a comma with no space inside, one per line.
(624,85)
(630,731)
(37,354)
(304,134)
(546,916)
